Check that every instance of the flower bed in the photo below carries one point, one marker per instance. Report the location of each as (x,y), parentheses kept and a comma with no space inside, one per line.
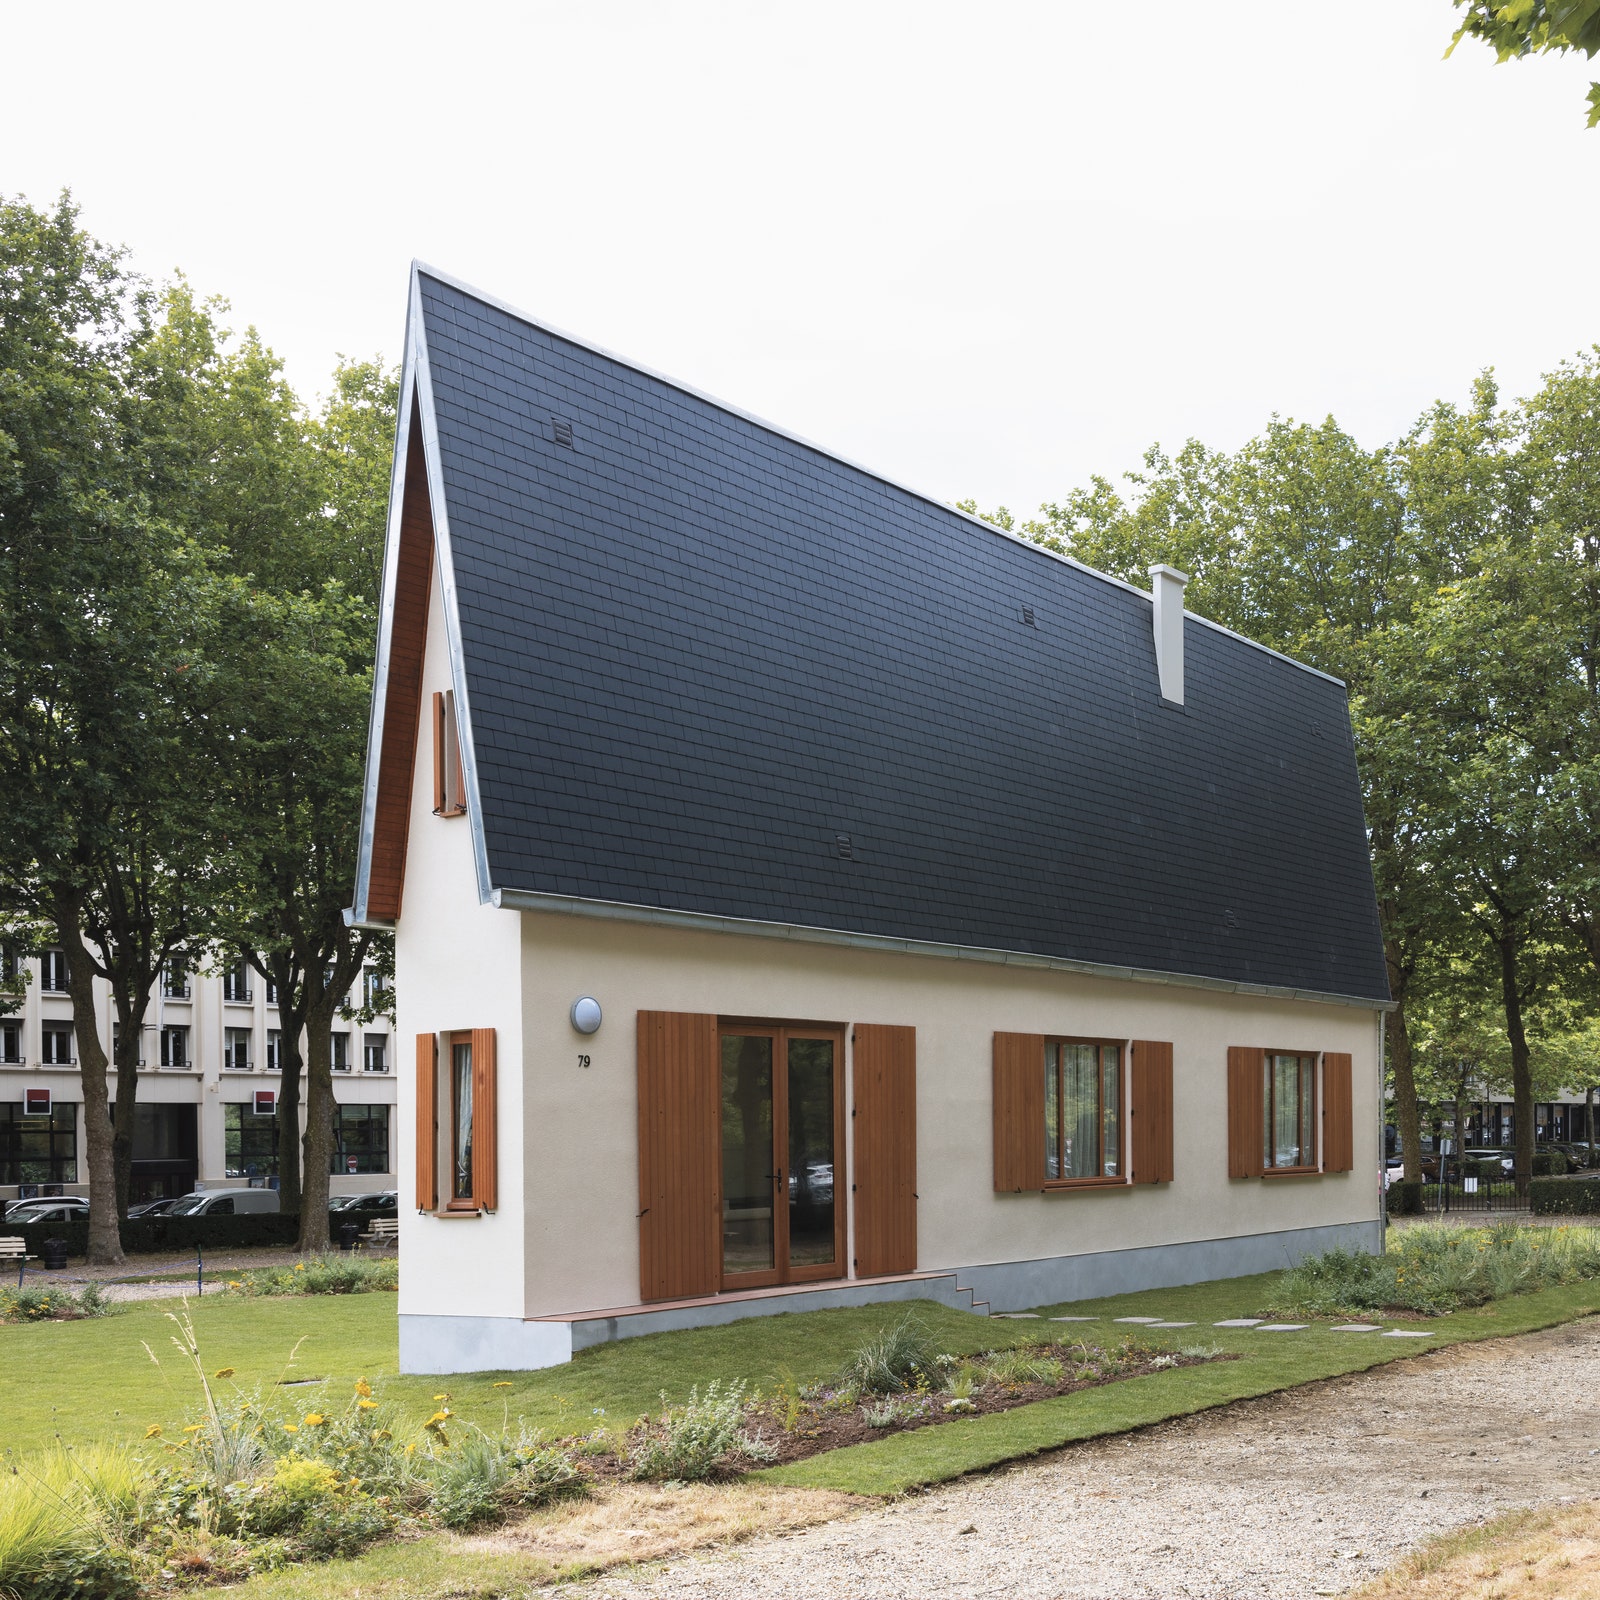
(52,1303)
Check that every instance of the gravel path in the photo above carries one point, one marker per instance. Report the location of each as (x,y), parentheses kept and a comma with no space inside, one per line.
(1305,1493)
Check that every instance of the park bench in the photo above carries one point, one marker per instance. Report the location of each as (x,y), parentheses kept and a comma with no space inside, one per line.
(382,1230)
(14,1252)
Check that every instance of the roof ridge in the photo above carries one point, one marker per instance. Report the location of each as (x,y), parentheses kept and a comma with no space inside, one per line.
(421,268)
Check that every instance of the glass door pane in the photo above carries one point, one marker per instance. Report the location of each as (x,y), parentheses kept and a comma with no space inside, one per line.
(811,1165)
(747,1170)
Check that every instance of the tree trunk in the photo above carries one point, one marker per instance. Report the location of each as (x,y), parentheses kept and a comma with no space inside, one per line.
(1521,1074)
(129,1036)
(291,986)
(105,1225)
(1406,1112)
(319,1124)
(1588,1110)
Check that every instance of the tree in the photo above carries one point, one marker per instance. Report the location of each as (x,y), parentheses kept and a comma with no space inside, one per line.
(1519,28)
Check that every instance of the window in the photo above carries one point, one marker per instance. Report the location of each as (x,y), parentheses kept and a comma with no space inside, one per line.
(272,993)
(461,1118)
(449,786)
(11,1043)
(53,972)
(274,1059)
(236,1049)
(360,1140)
(175,1045)
(1288,1102)
(236,983)
(375,1053)
(174,981)
(1082,1111)
(116,1042)
(38,1149)
(56,1050)
(8,964)
(249,1142)
(341,1050)
(372,988)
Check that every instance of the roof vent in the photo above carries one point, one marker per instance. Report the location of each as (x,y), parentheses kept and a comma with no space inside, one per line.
(1166,589)
(563,431)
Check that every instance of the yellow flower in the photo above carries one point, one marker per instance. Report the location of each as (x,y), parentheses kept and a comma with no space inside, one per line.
(291,1427)
(223,1372)
(436,1419)
(194,1427)
(363,1388)
(444,1396)
(153,1430)
(313,1419)
(411,1447)
(299,1266)
(367,1405)
(504,1383)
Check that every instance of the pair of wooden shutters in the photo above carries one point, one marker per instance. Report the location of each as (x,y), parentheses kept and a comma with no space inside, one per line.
(1246,1129)
(434,1054)
(680,1156)
(1019,1129)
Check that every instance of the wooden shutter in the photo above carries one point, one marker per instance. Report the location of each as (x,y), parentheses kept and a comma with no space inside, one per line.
(1150,1112)
(680,1235)
(485,1121)
(1338,1132)
(438,754)
(1018,1113)
(884,1078)
(427,1122)
(1246,1130)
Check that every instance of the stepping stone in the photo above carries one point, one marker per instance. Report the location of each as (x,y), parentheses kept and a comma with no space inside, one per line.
(1146,1320)
(1074,1319)
(1171,1324)
(1356,1327)
(1017,1316)
(1283,1327)
(1405,1333)
(1238,1322)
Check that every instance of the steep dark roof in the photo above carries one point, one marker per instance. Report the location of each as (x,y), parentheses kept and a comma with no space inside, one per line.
(698,652)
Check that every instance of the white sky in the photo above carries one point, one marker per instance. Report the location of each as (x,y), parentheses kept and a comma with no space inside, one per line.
(988,249)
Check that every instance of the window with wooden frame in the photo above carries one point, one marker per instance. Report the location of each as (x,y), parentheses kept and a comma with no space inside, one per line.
(1288,1112)
(449,784)
(457,1121)
(1082,1111)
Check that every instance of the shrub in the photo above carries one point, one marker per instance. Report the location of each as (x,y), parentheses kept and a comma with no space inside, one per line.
(1564,1197)
(1405,1198)
(1551,1164)
(893,1360)
(1022,1365)
(54,1304)
(64,1523)
(329,1274)
(895,1409)
(692,1440)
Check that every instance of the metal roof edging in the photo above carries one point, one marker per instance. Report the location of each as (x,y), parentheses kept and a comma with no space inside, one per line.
(419,267)
(703,922)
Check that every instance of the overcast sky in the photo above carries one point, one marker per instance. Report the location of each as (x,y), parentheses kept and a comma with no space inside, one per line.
(988,249)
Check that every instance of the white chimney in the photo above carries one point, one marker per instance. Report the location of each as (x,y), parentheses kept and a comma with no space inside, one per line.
(1166,589)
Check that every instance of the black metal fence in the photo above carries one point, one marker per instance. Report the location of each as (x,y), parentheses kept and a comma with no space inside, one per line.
(1471,1194)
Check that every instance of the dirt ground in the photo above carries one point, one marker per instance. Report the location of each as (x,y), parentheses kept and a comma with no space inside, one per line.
(1307,1493)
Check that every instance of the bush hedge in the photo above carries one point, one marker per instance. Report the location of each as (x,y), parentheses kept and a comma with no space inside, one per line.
(1550,1163)
(1564,1197)
(147,1235)
(1405,1198)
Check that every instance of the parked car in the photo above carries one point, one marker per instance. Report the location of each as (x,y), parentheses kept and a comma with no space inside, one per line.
(1575,1151)
(380,1203)
(65,1208)
(153,1208)
(225,1203)
(1504,1157)
(1430,1168)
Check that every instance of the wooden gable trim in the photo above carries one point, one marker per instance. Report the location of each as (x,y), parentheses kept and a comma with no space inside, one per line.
(402,703)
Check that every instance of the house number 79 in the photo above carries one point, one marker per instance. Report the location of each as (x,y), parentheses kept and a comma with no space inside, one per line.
(583,1061)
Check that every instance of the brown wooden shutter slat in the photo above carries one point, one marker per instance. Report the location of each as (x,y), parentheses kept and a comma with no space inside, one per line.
(1018,1112)
(884,1077)
(438,753)
(485,1121)
(427,1122)
(1338,1130)
(1150,1085)
(679,1156)
(1246,1131)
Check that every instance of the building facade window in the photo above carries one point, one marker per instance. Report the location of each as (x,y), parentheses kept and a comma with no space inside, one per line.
(461,1116)
(236,1049)
(1289,1103)
(272,993)
(11,1043)
(341,1050)
(116,1043)
(274,1056)
(53,972)
(174,981)
(38,1149)
(375,1053)
(360,1140)
(56,1044)
(175,1045)
(236,984)
(249,1142)
(1082,1110)
(373,985)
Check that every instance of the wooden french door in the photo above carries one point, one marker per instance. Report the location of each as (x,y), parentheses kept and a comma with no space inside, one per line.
(782,1189)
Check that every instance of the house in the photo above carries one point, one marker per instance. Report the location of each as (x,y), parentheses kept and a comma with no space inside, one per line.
(208,1085)
(806,894)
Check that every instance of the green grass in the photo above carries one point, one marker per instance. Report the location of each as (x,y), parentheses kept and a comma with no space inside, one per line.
(1268,1362)
(92,1380)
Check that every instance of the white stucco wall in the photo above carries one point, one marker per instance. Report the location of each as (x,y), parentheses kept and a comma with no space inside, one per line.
(580,1129)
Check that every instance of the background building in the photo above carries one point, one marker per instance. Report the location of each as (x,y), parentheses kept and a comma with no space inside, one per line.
(209,1066)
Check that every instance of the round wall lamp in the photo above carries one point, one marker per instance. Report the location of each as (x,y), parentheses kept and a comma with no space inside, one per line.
(586,1015)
